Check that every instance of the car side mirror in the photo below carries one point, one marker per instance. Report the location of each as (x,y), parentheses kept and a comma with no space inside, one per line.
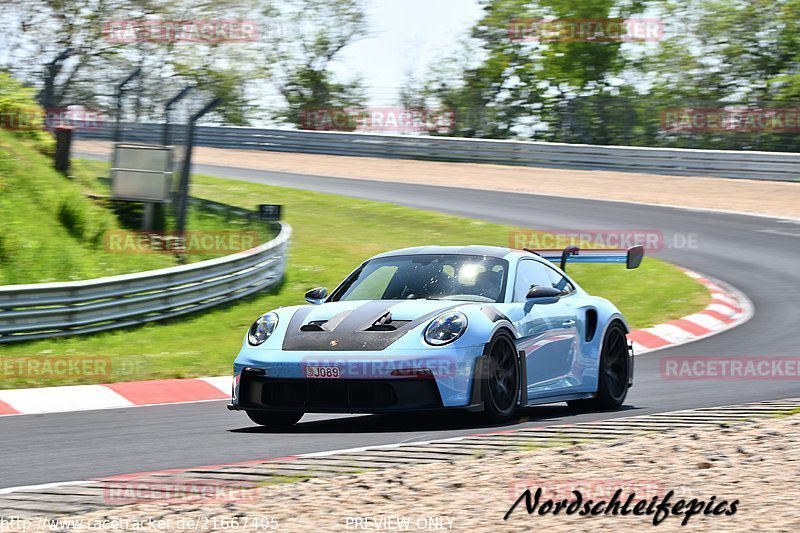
(543,295)
(317,296)
(635,256)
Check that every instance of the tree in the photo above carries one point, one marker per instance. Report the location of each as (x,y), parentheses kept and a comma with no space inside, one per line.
(311,35)
(84,36)
(527,84)
(738,54)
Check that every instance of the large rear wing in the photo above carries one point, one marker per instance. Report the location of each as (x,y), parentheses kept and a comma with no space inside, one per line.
(632,257)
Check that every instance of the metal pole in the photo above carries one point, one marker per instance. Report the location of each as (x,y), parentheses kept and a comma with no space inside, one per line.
(183,186)
(119,92)
(51,70)
(167,108)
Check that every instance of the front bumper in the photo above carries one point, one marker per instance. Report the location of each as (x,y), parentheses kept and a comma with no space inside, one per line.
(260,392)
(368,382)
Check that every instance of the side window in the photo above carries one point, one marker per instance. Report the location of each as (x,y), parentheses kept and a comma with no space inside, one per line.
(560,282)
(530,273)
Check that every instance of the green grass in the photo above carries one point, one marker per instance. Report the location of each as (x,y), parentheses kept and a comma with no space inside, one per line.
(332,235)
(51,231)
(48,230)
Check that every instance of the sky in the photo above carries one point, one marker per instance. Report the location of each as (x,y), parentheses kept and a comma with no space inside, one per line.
(407,36)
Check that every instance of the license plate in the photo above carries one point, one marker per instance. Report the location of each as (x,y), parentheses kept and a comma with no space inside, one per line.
(322,372)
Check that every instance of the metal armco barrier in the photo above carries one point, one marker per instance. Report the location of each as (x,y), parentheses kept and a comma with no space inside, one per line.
(783,166)
(45,310)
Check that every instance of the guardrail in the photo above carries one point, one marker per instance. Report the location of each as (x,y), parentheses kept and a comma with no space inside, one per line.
(783,166)
(45,310)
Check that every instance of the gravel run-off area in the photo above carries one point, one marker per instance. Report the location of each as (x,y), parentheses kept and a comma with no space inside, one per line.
(754,468)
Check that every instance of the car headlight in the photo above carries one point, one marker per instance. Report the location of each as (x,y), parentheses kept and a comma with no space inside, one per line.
(262,329)
(446,328)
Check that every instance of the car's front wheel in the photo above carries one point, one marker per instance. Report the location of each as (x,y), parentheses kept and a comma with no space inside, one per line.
(614,373)
(500,382)
(274,420)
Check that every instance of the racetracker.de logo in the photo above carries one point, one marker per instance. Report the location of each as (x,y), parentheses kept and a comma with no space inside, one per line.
(731,120)
(596,30)
(170,493)
(595,489)
(209,31)
(37,119)
(191,242)
(731,368)
(378,119)
(365,368)
(72,366)
(652,240)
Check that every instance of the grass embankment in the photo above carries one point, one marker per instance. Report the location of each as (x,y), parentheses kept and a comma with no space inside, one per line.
(50,231)
(332,235)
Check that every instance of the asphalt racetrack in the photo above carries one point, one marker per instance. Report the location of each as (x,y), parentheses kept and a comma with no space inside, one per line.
(759,256)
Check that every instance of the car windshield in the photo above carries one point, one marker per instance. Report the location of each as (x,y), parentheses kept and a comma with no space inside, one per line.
(435,277)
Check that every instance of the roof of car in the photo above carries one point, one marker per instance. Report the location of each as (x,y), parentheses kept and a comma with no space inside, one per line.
(490,251)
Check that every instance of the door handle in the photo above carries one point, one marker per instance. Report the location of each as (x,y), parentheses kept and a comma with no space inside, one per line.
(568,324)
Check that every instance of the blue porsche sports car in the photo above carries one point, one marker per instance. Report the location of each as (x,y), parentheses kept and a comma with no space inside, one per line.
(480,328)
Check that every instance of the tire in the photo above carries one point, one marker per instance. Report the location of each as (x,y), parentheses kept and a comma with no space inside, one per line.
(500,381)
(613,374)
(273,419)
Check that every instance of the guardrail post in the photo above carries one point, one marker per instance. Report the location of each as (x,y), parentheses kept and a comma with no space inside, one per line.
(63,147)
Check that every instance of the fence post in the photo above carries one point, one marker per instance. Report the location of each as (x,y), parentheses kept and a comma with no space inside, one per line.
(183,185)
(167,138)
(118,95)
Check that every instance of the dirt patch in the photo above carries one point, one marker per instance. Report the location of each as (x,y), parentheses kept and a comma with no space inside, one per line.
(759,197)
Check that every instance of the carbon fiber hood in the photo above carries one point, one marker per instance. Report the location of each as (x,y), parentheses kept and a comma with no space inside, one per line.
(372,325)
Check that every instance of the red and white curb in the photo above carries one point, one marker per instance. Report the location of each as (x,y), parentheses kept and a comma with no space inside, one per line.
(728,309)
(113,395)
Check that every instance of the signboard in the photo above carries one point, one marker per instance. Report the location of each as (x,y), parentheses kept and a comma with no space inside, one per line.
(269,211)
(142,173)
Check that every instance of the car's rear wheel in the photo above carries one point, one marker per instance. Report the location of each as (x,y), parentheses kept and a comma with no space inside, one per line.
(274,420)
(614,373)
(500,382)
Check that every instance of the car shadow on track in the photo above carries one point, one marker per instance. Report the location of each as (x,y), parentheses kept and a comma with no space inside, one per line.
(440,421)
